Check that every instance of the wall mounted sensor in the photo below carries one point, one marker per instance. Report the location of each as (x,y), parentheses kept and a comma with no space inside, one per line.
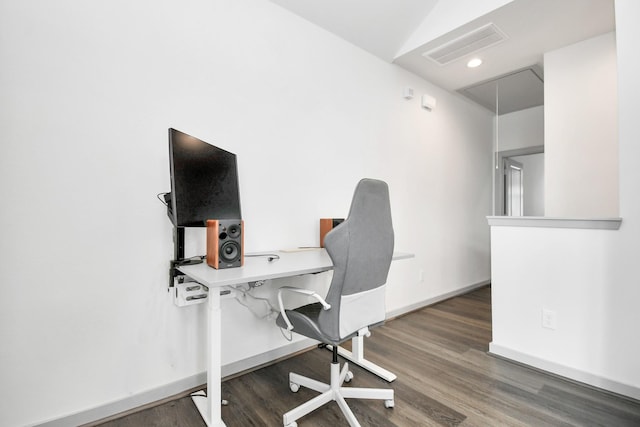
(428,102)
(407,93)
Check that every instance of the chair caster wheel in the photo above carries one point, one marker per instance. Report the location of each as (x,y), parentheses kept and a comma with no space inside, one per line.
(348,377)
(389,403)
(294,388)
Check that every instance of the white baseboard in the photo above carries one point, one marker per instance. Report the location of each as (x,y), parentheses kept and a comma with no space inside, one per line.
(267,357)
(566,371)
(430,301)
(128,403)
(175,388)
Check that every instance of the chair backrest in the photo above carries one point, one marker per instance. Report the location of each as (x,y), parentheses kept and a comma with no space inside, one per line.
(361,248)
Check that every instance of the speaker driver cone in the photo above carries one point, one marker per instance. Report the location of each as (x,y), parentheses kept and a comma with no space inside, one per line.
(234,231)
(229,252)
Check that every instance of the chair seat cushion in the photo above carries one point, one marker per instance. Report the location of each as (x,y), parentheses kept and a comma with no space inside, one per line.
(305,322)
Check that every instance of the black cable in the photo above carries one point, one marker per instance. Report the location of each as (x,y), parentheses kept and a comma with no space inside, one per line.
(270,257)
(204,393)
(197,259)
(223,402)
(162,201)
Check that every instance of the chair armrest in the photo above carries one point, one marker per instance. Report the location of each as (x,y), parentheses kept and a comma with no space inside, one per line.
(307,292)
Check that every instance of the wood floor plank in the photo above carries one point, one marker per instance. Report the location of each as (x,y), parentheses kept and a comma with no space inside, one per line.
(445,378)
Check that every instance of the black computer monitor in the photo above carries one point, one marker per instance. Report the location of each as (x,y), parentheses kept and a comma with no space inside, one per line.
(204,182)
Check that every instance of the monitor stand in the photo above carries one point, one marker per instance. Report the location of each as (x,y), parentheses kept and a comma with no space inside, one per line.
(178,254)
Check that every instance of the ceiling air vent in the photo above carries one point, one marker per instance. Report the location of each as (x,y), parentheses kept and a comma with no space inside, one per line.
(483,37)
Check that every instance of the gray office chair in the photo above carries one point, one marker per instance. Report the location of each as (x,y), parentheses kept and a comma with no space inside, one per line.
(360,248)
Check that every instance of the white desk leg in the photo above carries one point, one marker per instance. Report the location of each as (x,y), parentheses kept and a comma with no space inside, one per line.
(210,407)
(357,356)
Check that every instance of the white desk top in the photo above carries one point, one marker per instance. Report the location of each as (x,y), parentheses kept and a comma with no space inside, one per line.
(259,268)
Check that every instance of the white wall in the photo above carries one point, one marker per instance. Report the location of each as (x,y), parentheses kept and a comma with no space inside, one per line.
(520,129)
(88,92)
(588,277)
(581,139)
(566,271)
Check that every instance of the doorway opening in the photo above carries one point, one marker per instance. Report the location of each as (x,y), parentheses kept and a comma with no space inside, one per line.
(519,182)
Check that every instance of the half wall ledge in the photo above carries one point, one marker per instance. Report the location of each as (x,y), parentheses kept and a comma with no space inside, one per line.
(550,222)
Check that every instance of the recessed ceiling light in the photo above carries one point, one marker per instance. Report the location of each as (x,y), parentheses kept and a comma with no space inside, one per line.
(475,62)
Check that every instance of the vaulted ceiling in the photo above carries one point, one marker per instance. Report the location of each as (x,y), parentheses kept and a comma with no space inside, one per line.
(404,31)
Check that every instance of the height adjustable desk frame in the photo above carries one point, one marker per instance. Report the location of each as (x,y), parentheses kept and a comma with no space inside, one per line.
(254,269)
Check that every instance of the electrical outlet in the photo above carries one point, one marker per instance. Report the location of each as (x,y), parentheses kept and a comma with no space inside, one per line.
(549,319)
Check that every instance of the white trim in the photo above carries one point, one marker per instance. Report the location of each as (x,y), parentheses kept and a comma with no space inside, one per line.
(549,222)
(128,403)
(266,357)
(430,301)
(171,389)
(566,371)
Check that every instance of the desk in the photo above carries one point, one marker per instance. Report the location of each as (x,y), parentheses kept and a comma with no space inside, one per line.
(255,268)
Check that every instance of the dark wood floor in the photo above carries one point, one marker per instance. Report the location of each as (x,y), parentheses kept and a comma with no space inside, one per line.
(445,378)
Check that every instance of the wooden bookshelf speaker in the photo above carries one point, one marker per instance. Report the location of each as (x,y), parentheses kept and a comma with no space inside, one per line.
(326,225)
(225,243)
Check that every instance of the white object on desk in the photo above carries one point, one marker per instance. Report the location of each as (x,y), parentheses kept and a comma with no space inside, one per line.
(255,268)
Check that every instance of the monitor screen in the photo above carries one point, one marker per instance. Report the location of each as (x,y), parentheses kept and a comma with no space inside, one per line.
(204,182)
